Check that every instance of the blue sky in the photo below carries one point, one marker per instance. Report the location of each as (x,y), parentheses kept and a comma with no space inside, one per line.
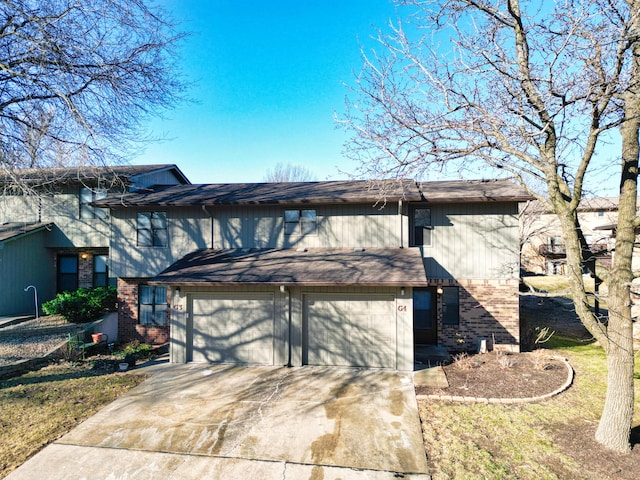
(267,80)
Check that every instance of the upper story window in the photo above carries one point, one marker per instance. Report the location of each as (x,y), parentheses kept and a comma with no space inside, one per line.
(422,227)
(300,222)
(88,195)
(152,229)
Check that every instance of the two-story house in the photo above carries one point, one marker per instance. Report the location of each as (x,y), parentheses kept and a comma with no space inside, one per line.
(317,273)
(543,250)
(52,237)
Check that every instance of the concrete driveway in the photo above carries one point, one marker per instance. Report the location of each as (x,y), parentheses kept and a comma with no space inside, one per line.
(232,422)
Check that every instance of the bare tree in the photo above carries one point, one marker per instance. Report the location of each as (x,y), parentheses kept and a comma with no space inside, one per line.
(78,78)
(530,89)
(289,173)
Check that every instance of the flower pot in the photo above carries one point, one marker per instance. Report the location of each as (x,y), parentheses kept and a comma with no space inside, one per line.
(123,366)
(97,337)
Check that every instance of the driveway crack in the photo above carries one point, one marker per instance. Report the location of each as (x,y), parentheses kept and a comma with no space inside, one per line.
(272,397)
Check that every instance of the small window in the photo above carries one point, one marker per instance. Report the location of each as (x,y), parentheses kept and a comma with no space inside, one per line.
(67,273)
(152,229)
(88,195)
(601,213)
(422,227)
(451,306)
(423,308)
(153,305)
(100,271)
(300,222)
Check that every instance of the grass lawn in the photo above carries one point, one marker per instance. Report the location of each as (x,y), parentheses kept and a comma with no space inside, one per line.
(556,284)
(547,440)
(39,407)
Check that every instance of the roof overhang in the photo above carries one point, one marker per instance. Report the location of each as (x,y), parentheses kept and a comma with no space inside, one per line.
(13,231)
(313,267)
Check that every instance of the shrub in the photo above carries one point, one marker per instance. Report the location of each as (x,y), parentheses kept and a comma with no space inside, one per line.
(505,360)
(82,305)
(140,350)
(463,361)
(532,338)
(540,360)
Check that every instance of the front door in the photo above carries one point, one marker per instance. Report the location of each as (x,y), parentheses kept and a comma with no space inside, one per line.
(67,280)
(425,330)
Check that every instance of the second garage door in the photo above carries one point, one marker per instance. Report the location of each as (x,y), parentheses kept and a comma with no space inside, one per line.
(233,328)
(354,330)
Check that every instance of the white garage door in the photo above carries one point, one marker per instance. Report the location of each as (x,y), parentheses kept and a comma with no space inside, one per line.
(355,330)
(233,329)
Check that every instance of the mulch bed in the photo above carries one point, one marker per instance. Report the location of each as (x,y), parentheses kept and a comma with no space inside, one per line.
(502,375)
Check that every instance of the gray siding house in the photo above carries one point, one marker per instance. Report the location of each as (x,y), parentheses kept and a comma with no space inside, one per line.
(346,273)
(52,237)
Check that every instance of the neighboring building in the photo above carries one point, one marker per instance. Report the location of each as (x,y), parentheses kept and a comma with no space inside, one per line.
(543,251)
(52,237)
(318,273)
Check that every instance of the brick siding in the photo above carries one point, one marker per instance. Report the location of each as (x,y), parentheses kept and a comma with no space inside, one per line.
(128,327)
(489,309)
(85,271)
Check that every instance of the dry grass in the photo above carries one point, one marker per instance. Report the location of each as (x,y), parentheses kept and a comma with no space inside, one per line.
(462,361)
(550,440)
(39,407)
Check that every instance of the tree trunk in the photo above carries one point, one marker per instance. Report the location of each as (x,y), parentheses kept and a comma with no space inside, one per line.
(615,424)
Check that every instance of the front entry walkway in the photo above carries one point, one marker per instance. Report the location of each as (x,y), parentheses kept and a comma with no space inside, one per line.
(232,422)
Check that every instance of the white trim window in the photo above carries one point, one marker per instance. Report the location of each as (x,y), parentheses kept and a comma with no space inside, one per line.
(152,229)
(88,196)
(300,222)
(152,302)
(422,227)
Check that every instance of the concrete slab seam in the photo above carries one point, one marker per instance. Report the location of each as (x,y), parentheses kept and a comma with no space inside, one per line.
(263,460)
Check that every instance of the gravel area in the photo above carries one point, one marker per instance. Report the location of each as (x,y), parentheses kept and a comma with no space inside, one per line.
(21,341)
(47,321)
(17,347)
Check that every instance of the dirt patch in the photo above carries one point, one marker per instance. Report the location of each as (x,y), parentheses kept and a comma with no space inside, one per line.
(579,442)
(502,375)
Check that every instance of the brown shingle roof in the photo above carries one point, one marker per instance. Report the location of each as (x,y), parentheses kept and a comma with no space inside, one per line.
(456,191)
(315,267)
(40,176)
(320,192)
(13,230)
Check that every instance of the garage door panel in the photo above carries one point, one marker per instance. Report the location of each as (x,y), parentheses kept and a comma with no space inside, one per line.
(351,330)
(233,329)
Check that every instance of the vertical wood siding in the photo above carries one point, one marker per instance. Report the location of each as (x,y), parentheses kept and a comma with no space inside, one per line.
(23,262)
(473,241)
(157,178)
(189,230)
(18,208)
(64,210)
(337,226)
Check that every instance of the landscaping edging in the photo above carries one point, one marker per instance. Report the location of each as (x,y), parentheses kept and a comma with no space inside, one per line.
(507,401)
